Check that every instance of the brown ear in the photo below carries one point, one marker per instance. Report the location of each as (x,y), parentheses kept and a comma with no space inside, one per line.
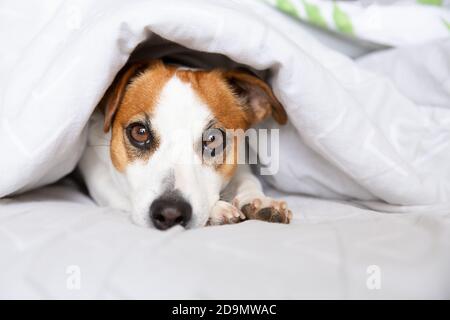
(257,95)
(114,95)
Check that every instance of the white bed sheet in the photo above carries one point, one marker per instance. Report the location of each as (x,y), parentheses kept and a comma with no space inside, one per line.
(324,253)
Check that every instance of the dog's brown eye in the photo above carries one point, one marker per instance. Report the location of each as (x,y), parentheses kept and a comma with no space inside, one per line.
(139,135)
(213,142)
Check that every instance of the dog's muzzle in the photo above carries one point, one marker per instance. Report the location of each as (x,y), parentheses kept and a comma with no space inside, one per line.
(170,210)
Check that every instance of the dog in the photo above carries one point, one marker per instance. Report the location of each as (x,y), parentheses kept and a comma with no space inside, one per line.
(156,118)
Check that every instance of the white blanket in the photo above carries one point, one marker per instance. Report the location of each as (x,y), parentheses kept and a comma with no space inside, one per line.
(352,134)
(378,137)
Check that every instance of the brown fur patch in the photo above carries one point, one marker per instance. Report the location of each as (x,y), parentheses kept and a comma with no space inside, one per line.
(140,98)
(214,91)
(212,88)
(260,99)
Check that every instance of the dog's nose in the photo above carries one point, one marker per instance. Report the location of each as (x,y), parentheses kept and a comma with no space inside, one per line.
(167,212)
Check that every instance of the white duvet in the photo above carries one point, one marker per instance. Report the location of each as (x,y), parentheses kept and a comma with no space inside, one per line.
(374,132)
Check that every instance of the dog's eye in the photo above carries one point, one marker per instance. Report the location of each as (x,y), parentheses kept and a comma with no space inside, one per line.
(139,135)
(213,142)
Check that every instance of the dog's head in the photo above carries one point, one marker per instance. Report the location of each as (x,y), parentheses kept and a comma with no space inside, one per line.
(168,136)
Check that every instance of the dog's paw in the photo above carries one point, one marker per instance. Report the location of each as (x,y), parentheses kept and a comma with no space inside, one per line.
(224,213)
(266,209)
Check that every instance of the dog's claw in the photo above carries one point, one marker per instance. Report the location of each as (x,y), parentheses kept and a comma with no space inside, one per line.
(225,213)
(266,209)
(256,204)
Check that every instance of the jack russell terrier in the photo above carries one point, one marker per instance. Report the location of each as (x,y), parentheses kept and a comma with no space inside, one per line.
(153,121)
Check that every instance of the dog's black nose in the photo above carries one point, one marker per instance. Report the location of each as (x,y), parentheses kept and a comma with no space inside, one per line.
(165,212)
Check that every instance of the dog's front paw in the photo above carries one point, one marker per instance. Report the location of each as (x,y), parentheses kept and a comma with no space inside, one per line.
(267,209)
(224,213)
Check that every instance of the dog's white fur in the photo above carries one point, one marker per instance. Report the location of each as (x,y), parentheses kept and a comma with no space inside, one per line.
(180,118)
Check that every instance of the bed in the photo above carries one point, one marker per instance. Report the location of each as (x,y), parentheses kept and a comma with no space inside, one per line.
(371,219)
(332,250)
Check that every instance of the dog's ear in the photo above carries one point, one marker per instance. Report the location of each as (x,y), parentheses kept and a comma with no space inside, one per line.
(115,93)
(257,96)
